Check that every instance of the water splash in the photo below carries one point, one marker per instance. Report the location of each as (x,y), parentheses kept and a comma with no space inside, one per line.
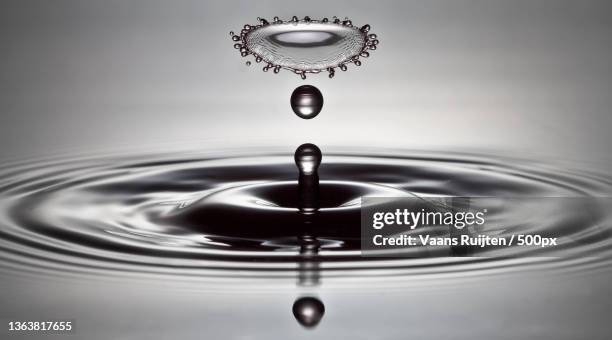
(305,45)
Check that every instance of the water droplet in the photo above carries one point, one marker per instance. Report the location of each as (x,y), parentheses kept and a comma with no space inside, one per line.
(248,63)
(231,33)
(306,101)
(258,59)
(332,72)
(365,28)
(308,158)
(357,62)
(365,54)
(343,67)
(307,19)
(308,311)
(277,69)
(237,46)
(372,36)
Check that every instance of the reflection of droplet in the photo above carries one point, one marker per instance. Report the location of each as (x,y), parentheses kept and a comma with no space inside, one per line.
(308,158)
(306,101)
(308,311)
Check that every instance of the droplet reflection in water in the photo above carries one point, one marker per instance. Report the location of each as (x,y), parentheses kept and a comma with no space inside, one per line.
(308,311)
(306,101)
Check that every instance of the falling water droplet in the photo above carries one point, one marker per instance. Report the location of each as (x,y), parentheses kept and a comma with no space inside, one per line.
(306,101)
(248,63)
(308,311)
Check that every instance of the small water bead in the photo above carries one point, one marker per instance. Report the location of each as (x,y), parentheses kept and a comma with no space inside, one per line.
(248,63)
(308,311)
(306,101)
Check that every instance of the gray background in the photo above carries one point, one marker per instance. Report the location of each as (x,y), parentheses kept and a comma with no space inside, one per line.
(520,76)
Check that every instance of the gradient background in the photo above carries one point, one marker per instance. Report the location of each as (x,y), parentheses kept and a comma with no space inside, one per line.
(527,77)
(503,75)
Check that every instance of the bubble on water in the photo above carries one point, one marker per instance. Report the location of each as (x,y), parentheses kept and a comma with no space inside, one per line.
(306,45)
(306,101)
(308,311)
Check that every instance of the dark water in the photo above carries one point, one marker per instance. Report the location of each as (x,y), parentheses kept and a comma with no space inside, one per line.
(192,215)
(253,222)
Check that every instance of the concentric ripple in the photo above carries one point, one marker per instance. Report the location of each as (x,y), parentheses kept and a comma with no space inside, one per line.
(235,216)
